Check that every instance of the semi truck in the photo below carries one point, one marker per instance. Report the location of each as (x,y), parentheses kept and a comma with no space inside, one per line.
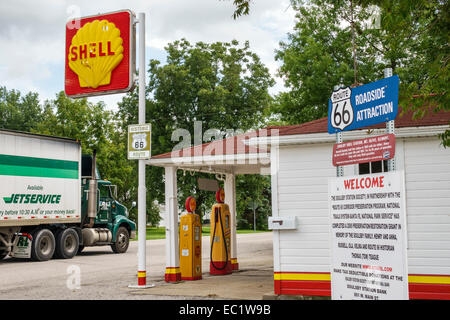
(53,202)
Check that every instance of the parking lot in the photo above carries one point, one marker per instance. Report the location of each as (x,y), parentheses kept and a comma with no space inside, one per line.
(98,273)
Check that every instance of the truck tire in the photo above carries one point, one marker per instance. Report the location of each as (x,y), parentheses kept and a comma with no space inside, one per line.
(80,248)
(122,241)
(67,243)
(43,245)
(3,254)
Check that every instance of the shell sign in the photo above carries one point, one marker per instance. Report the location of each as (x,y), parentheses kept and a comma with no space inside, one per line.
(100,54)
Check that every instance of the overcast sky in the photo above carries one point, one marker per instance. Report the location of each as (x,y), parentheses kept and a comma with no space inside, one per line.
(32,34)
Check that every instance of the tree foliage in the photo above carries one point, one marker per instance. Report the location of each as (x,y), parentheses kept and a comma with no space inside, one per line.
(19,112)
(96,128)
(242,8)
(224,88)
(411,37)
(221,86)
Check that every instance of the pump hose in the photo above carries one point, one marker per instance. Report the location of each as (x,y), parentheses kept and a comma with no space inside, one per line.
(225,242)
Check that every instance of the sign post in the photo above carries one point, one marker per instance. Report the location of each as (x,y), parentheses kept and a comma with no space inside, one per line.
(367,212)
(100,59)
(142,144)
(390,125)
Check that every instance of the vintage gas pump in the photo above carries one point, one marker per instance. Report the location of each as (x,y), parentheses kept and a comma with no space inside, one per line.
(220,262)
(190,243)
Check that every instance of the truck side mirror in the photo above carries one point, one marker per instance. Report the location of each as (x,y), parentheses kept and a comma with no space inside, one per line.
(115,191)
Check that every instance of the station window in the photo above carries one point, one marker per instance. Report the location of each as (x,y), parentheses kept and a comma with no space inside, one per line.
(373,167)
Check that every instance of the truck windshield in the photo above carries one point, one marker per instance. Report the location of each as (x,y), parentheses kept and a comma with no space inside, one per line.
(105,192)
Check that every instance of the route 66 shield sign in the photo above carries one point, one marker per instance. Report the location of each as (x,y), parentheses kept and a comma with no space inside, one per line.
(139,142)
(341,108)
(363,106)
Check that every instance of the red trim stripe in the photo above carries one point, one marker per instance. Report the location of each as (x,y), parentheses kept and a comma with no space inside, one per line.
(429,291)
(142,281)
(435,291)
(173,274)
(172,277)
(303,287)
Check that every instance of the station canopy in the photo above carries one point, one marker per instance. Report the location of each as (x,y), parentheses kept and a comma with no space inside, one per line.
(232,155)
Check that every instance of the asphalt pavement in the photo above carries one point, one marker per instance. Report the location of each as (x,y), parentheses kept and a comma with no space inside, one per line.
(99,274)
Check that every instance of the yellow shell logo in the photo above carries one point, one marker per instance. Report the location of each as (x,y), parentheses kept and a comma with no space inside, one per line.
(95,51)
(193,204)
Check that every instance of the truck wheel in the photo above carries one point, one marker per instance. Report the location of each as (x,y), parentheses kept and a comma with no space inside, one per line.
(67,243)
(43,245)
(80,248)
(3,254)
(122,241)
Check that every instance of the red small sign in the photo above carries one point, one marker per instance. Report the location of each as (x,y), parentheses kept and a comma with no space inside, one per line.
(100,54)
(364,150)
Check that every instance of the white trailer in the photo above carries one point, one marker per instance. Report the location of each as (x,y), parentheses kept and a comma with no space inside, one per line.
(39,185)
(47,207)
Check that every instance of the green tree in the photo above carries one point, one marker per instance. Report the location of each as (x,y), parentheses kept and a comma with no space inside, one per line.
(318,56)
(77,119)
(411,37)
(95,128)
(222,85)
(242,8)
(419,31)
(19,112)
(249,189)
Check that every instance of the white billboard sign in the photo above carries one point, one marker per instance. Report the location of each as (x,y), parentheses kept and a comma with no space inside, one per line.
(368,237)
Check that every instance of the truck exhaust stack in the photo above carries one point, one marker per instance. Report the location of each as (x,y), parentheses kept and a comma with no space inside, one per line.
(92,194)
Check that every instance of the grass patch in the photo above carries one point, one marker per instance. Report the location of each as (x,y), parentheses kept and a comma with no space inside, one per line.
(154,233)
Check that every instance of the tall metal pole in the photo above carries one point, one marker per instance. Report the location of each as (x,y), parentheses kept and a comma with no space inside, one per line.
(339,169)
(390,125)
(142,223)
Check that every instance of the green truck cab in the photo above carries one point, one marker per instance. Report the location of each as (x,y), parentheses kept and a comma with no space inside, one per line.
(111,215)
(110,223)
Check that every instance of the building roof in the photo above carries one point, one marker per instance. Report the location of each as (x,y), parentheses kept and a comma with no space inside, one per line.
(402,120)
(229,146)
(237,145)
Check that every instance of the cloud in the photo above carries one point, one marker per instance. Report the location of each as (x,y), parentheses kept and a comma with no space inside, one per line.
(32,33)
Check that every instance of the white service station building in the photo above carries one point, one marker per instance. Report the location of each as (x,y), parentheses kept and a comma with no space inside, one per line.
(299,160)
